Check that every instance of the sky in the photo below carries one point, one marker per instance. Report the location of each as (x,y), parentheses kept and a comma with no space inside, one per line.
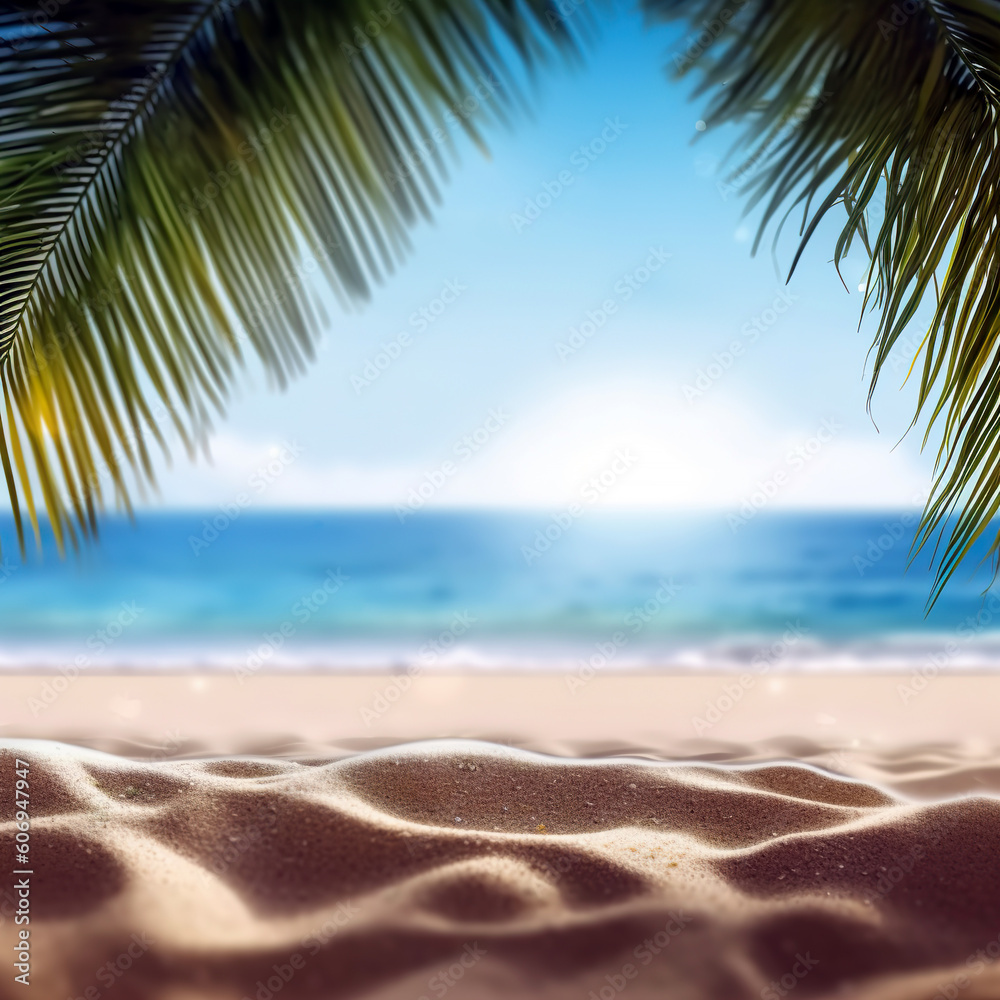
(584,314)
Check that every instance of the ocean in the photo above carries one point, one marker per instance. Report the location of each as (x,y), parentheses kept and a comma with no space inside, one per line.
(461,590)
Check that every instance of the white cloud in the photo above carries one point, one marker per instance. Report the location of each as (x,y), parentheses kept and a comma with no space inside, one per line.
(711,454)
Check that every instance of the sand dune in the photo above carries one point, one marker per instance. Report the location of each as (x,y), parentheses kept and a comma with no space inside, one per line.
(472,870)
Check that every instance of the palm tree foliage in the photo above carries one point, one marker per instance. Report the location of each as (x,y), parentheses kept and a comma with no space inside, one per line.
(172,172)
(847,102)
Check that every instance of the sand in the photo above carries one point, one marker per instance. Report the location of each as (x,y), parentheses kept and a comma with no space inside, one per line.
(783,714)
(475,870)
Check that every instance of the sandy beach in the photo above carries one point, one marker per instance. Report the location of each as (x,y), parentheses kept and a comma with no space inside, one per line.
(784,715)
(474,870)
(500,500)
(319,865)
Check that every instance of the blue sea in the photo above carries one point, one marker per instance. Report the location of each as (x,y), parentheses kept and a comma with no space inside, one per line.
(340,591)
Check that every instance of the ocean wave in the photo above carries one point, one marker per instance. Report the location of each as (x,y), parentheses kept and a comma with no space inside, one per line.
(929,654)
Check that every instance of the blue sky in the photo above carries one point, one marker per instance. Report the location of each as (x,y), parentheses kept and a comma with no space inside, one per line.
(699,425)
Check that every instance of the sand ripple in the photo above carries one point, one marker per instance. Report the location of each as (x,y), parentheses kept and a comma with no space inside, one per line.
(473,870)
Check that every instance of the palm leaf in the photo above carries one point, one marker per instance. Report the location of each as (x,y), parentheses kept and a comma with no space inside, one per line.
(171,171)
(847,102)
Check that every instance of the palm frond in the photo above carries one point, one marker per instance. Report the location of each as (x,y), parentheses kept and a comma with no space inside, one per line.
(847,101)
(169,172)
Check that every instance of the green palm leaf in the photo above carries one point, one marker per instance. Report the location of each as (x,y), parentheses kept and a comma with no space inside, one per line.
(170,173)
(848,101)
